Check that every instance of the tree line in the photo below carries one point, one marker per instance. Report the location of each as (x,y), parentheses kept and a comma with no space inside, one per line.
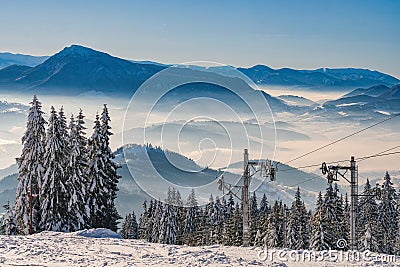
(273,226)
(66,182)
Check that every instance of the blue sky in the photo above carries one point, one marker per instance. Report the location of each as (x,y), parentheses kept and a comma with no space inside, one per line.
(297,34)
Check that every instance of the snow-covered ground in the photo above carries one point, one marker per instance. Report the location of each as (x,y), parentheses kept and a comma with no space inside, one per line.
(82,249)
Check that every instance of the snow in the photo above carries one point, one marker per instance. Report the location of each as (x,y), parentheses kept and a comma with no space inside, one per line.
(348,104)
(99,233)
(71,249)
(383,112)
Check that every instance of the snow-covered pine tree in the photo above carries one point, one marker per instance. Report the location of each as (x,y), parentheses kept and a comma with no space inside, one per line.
(77,182)
(30,168)
(62,120)
(167,228)
(237,215)
(129,227)
(329,215)
(150,220)
(109,168)
(253,218)
(320,238)
(229,226)
(53,186)
(338,224)
(217,222)
(98,194)
(192,220)
(202,233)
(264,219)
(8,223)
(388,217)
(367,224)
(207,222)
(102,177)
(298,233)
(143,221)
(180,213)
(133,232)
(158,212)
(274,231)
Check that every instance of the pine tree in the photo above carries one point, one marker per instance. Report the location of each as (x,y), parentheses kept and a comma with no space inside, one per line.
(129,227)
(338,224)
(264,219)
(229,226)
(30,168)
(192,220)
(367,224)
(53,187)
(238,240)
(143,221)
(77,183)
(109,168)
(156,222)
(8,224)
(201,236)
(388,217)
(254,218)
(102,177)
(320,238)
(298,233)
(274,232)
(217,223)
(167,229)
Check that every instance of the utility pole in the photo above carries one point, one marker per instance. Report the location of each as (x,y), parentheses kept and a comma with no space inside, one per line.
(245,197)
(332,175)
(353,202)
(264,168)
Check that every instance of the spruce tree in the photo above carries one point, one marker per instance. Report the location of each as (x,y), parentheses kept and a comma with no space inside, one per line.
(388,217)
(158,212)
(254,218)
(238,217)
(129,227)
(53,186)
(167,227)
(274,232)
(30,168)
(109,168)
(298,233)
(320,235)
(192,220)
(102,176)
(217,222)
(367,224)
(143,221)
(8,224)
(77,182)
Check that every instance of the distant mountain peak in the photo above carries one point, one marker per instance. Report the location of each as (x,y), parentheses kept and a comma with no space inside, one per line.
(79,50)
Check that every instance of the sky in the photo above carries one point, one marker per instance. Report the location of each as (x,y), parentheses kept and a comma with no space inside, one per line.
(297,34)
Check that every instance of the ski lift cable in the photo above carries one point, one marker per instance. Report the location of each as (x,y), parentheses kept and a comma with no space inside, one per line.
(340,161)
(343,138)
(380,154)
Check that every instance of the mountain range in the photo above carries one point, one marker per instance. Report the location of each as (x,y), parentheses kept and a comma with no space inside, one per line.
(8,59)
(77,69)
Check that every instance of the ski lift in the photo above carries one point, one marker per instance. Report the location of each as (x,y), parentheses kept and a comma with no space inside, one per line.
(324,168)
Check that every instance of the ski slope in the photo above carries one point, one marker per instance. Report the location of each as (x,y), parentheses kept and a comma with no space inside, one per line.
(84,248)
